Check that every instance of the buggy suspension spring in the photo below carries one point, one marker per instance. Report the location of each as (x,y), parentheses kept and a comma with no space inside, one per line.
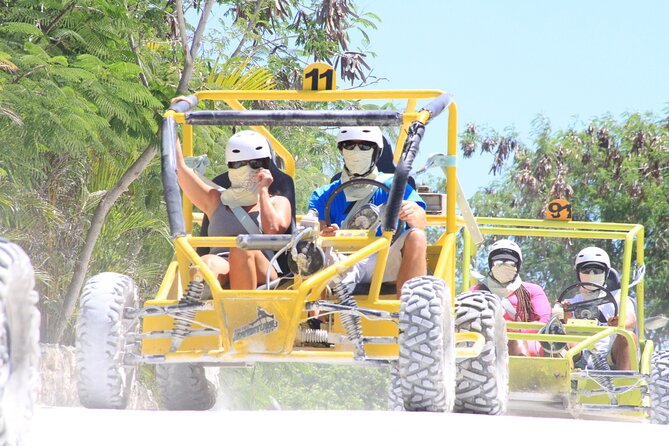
(182,327)
(351,322)
(316,336)
(600,361)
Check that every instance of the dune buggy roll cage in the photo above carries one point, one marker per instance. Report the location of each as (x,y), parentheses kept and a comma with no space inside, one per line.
(412,127)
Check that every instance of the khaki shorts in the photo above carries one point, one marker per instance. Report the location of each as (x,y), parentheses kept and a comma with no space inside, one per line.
(363,271)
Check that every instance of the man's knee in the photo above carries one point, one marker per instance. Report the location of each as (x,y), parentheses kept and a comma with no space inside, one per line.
(416,241)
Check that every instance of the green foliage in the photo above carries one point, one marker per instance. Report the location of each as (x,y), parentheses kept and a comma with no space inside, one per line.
(83,85)
(611,171)
(305,386)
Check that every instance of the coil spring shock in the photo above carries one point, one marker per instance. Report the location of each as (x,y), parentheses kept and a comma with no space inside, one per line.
(351,322)
(600,362)
(312,335)
(182,327)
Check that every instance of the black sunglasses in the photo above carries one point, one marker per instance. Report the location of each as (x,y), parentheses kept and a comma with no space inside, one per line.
(591,270)
(362,145)
(259,163)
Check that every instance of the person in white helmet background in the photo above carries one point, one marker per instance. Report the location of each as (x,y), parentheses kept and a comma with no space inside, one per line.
(246,205)
(592,264)
(361,148)
(522,301)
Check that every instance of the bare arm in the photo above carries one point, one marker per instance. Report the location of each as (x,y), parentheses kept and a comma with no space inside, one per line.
(275,211)
(201,194)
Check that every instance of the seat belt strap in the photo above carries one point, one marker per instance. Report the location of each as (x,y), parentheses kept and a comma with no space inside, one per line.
(252,228)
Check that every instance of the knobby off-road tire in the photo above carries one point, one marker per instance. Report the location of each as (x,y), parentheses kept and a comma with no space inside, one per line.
(19,343)
(187,386)
(659,387)
(427,349)
(482,383)
(395,401)
(102,379)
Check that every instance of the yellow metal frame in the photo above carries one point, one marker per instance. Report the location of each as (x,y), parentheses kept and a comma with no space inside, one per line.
(550,375)
(232,308)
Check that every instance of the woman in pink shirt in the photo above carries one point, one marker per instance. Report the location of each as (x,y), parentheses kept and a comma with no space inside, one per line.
(522,301)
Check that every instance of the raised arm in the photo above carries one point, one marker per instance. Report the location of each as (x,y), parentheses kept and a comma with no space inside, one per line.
(198,192)
(275,212)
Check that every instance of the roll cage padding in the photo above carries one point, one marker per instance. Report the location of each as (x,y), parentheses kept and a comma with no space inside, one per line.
(295,117)
(401,176)
(438,105)
(168,136)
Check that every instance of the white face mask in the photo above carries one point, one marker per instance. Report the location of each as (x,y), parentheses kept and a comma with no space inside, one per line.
(243,178)
(504,273)
(593,278)
(243,189)
(358,161)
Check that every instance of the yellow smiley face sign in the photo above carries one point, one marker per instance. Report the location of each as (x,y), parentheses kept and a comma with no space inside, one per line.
(558,209)
(319,76)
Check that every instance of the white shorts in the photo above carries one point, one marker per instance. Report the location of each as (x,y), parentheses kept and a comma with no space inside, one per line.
(363,271)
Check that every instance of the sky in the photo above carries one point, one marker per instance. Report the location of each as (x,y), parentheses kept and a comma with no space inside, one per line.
(508,62)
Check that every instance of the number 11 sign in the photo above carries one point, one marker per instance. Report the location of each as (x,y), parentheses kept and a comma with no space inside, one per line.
(319,76)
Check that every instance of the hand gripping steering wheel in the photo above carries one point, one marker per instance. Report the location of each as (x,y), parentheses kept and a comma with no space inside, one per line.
(588,309)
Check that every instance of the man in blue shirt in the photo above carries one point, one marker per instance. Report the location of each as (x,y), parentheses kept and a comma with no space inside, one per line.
(361,148)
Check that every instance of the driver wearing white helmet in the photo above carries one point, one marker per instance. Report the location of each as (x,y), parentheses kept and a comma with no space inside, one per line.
(593,265)
(246,205)
(361,148)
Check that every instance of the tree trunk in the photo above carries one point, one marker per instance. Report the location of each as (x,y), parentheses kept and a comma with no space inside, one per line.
(84,258)
(110,198)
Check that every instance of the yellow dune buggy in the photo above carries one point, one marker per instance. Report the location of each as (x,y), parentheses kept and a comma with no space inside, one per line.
(439,347)
(579,381)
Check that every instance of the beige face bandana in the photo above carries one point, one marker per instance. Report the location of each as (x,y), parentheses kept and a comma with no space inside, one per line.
(500,290)
(243,189)
(355,193)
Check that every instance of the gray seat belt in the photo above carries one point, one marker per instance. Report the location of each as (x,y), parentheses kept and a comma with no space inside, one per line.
(360,203)
(252,228)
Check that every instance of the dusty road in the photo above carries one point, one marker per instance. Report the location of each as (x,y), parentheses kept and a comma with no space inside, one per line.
(77,426)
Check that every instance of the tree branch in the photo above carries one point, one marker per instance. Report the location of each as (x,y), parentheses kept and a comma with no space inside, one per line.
(98,220)
(190,54)
(27,73)
(248,29)
(142,75)
(55,21)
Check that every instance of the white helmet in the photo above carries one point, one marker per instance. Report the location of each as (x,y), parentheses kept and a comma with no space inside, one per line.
(371,134)
(505,247)
(593,254)
(247,145)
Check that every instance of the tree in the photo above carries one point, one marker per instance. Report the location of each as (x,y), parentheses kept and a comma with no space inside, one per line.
(87,80)
(611,171)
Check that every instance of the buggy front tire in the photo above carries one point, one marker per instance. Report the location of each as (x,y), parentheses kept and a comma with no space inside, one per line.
(187,386)
(19,343)
(103,380)
(482,383)
(426,343)
(659,387)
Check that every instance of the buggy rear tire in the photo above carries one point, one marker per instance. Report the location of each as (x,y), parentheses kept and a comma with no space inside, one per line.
(187,386)
(482,383)
(427,349)
(659,387)
(19,343)
(103,381)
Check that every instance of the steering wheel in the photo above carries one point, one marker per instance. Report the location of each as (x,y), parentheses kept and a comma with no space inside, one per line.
(343,186)
(354,182)
(588,309)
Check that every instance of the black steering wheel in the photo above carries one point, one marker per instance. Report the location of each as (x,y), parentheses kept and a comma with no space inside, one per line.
(342,187)
(354,182)
(588,309)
